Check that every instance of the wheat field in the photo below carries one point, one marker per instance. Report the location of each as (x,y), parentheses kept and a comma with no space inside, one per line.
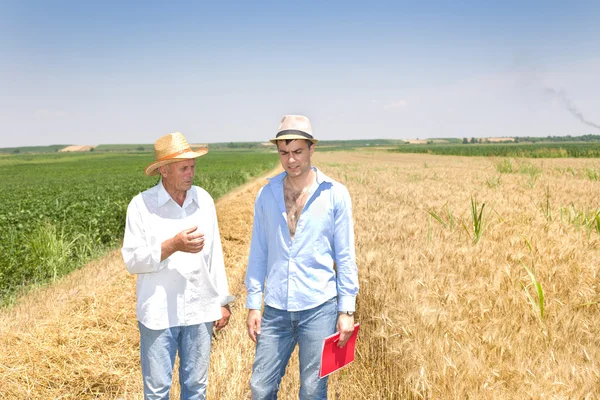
(479,280)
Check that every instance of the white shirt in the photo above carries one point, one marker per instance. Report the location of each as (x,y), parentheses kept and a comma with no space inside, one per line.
(185,288)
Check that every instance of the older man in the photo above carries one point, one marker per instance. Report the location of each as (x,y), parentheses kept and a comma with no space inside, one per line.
(302,260)
(172,243)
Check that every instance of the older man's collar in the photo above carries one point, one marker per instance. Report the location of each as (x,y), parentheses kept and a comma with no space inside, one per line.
(193,193)
(164,196)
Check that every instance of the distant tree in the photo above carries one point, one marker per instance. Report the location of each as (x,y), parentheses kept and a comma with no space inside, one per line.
(16,151)
(92,149)
(473,140)
(140,148)
(465,141)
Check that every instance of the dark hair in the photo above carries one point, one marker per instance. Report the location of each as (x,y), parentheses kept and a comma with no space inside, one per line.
(288,141)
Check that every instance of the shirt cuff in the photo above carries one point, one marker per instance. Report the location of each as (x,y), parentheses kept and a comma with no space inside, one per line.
(254,301)
(346,303)
(226,300)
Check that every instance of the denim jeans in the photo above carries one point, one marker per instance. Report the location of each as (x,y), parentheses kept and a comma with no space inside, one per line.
(158,349)
(280,331)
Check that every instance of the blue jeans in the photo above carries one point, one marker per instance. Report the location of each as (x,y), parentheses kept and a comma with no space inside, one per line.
(158,349)
(280,331)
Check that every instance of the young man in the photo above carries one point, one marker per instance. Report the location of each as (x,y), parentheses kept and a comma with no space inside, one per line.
(172,243)
(302,259)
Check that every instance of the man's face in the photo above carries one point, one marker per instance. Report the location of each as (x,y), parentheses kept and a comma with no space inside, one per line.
(179,175)
(295,156)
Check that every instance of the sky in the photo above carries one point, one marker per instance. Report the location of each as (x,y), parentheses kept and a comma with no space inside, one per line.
(104,72)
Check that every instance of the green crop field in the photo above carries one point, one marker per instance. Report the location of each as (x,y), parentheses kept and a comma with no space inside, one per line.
(58,210)
(530,150)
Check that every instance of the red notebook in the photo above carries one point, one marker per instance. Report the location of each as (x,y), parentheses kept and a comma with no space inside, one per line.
(333,357)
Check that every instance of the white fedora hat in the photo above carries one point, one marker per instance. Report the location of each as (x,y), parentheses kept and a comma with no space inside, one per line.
(172,148)
(294,127)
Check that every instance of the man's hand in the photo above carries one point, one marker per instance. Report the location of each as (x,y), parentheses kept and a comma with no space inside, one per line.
(345,326)
(189,240)
(225,314)
(253,324)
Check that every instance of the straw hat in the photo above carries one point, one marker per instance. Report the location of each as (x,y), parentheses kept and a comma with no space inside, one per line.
(172,148)
(294,127)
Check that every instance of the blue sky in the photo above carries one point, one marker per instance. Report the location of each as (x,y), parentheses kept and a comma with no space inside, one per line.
(79,72)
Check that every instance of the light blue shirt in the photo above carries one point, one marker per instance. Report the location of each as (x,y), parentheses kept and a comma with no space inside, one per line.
(298,274)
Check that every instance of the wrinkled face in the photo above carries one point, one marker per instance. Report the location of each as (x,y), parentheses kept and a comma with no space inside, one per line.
(295,156)
(178,176)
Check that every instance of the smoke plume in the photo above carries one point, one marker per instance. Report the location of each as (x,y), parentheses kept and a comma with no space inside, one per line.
(562,96)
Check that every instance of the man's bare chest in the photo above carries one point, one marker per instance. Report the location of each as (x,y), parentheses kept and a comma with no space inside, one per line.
(294,204)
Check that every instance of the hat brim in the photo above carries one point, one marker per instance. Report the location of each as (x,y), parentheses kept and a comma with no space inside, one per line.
(291,136)
(152,169)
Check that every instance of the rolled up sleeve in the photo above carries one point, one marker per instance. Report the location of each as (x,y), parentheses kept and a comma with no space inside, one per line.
(141,252)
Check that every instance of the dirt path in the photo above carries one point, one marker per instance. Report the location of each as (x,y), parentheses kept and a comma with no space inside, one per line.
(78,338)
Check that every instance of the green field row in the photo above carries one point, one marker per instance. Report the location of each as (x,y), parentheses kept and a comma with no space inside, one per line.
(527,150)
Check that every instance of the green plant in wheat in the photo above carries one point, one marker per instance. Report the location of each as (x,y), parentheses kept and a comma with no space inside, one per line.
(571,214)
(429,229)
(533,172)
(530,169)
(504,167)
(449,224)
(494,182)
(588,219)
(593,174)
(478,225)
(545,206)
(592,222)
(538,306)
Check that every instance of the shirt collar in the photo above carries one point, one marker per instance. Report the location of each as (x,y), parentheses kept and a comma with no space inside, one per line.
(164,196)
(320,178)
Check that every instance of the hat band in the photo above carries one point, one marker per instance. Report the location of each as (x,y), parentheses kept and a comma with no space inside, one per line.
(173,155)
(294,132)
